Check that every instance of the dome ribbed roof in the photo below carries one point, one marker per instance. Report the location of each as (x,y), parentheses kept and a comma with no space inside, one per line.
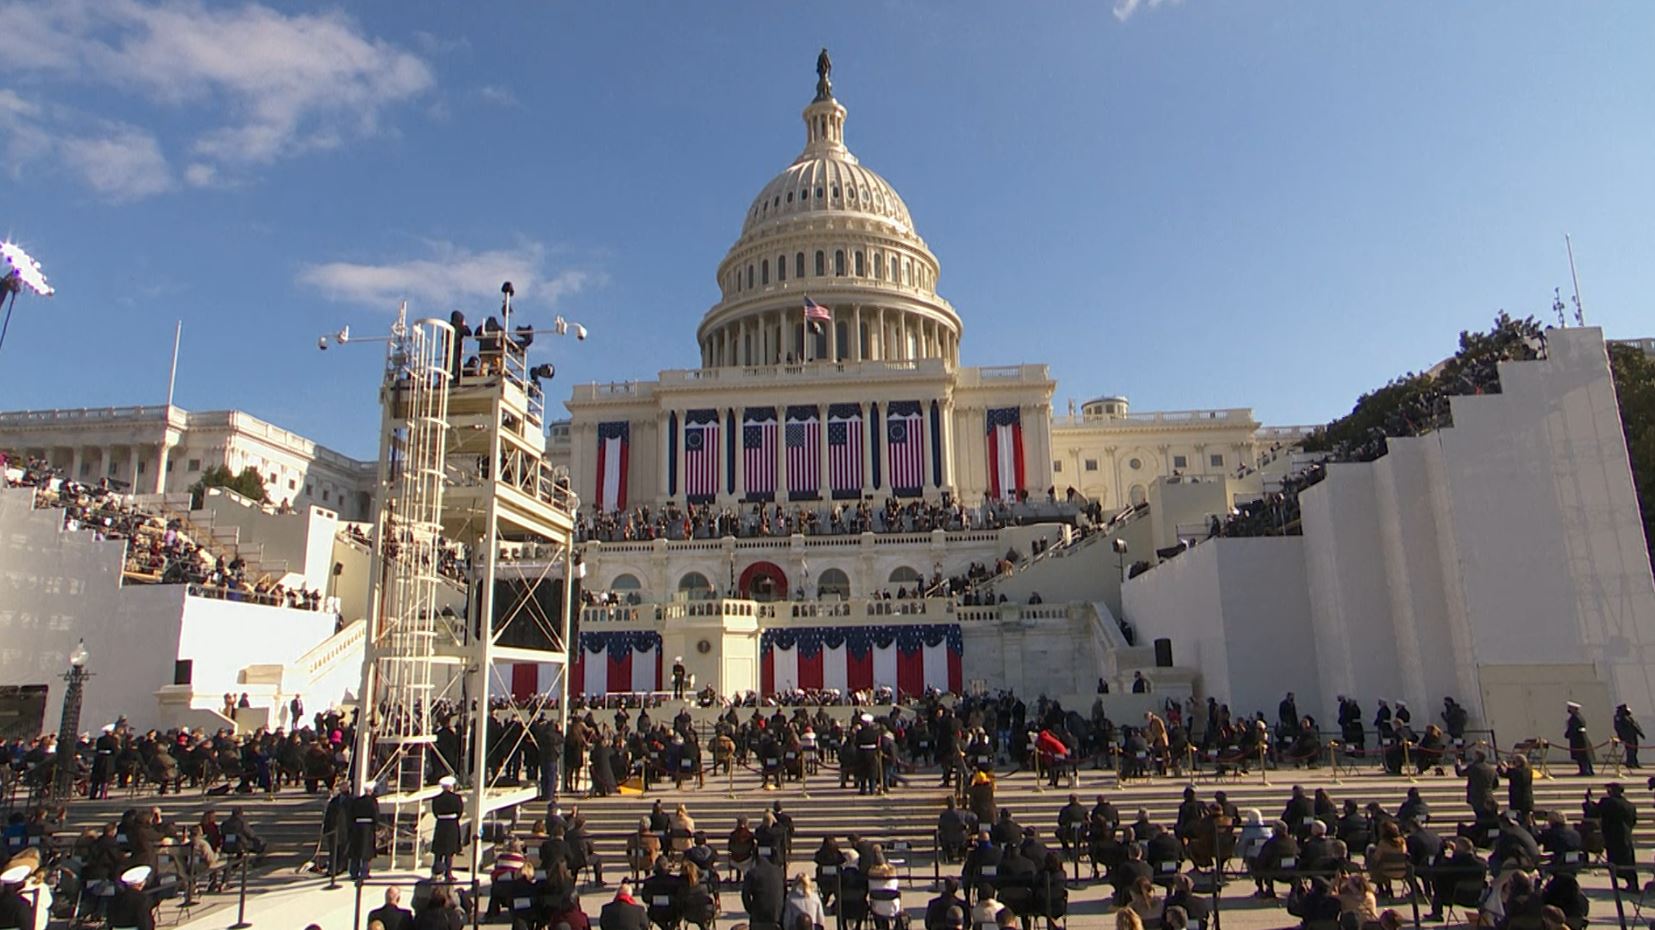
(827,182)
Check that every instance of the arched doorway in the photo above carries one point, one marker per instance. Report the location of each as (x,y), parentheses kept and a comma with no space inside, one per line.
(763,581)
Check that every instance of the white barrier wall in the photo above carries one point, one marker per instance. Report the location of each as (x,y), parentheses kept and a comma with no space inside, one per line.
(1487,561)
(58,587)
(1238,611)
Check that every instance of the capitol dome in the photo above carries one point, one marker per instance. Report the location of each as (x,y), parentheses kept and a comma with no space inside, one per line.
(829,229)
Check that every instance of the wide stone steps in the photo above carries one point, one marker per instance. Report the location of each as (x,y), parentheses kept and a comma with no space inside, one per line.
(911,812)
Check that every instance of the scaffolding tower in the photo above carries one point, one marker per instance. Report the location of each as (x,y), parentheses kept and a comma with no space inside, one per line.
(513,515)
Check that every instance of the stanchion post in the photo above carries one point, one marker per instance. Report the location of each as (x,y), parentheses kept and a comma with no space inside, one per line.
(1263,767)
(241,899)
(356,918)
(1218,882)
(1039,778)
(333,857)
(1333,760)
(804,776)
(730,771)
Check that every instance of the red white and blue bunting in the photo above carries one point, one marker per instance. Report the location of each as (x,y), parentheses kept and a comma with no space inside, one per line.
(908,658)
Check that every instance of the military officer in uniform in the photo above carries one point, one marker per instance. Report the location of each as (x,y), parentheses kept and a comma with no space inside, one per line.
(103,763)
(16,913)
(364,824)
(131,909)
(445,837)
(1580,745)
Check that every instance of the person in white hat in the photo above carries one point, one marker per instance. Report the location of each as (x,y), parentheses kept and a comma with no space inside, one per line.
(447,807)
(131,909)
(679,675)
(1580,745)
(103,763)
(364,826)
(15,910)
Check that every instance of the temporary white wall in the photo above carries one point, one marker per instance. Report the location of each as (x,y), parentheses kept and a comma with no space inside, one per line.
(1507,545)
(1237,610)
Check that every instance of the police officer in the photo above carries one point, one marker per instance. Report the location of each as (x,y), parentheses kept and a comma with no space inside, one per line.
(447,807)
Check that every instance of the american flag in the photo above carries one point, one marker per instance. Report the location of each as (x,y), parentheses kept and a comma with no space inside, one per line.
(905,444)
(758,446)
(804,453)
(844,439)
(816,314)
(701,459)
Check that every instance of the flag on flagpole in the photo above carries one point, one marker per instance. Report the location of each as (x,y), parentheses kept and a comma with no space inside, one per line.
(816,315)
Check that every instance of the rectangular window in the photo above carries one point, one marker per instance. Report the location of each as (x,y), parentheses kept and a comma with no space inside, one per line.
(1057,467)
(291,484)
(142,466)
(1179,461)
(325,495)
(170,463)
(1217,460)
(183,671)
(195,465)
(1091,464)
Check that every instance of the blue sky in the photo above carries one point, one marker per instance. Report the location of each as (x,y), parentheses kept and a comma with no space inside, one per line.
(1197,203)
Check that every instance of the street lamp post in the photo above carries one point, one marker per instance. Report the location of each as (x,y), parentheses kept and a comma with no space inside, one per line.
(63,772)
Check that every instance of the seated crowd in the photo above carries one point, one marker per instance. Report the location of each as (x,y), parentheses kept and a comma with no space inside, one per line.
(159,548)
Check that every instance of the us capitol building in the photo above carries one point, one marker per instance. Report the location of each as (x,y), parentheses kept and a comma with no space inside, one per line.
(869,401)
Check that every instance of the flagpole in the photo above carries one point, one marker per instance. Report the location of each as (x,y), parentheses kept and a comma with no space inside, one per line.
(172,377)
(1580,312)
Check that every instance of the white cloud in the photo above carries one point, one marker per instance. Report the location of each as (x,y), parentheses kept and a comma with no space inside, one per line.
(497,95)
(449,276)
(123,164)
(270,84)
(117,160)
(1125,8)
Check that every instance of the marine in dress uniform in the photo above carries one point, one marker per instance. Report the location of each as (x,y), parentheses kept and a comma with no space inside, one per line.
(1580,745)
(131,909)
(364,825)
(447,807)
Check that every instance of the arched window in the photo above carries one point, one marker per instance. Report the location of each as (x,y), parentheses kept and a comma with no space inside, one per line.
(799,265)
(749,277)
(833,583)
(841,336)
(764,271)
(839,262)
(627,585)
(878,265)
(861,270)
(695,586)
(781,268)
(905,577)
(821,264)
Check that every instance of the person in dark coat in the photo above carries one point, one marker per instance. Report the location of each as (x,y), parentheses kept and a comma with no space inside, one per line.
(434,915)
(392,915)
(336,829)
(364,827)
(16,913)
(1580,744)
(623,913)
(1618,817)
(445,836)
(763,893)
(1481,779)
(1629,733)
(1519,784)
(131,909)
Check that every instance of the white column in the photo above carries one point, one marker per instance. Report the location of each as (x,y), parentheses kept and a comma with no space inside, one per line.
(664,439)
(855,334)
